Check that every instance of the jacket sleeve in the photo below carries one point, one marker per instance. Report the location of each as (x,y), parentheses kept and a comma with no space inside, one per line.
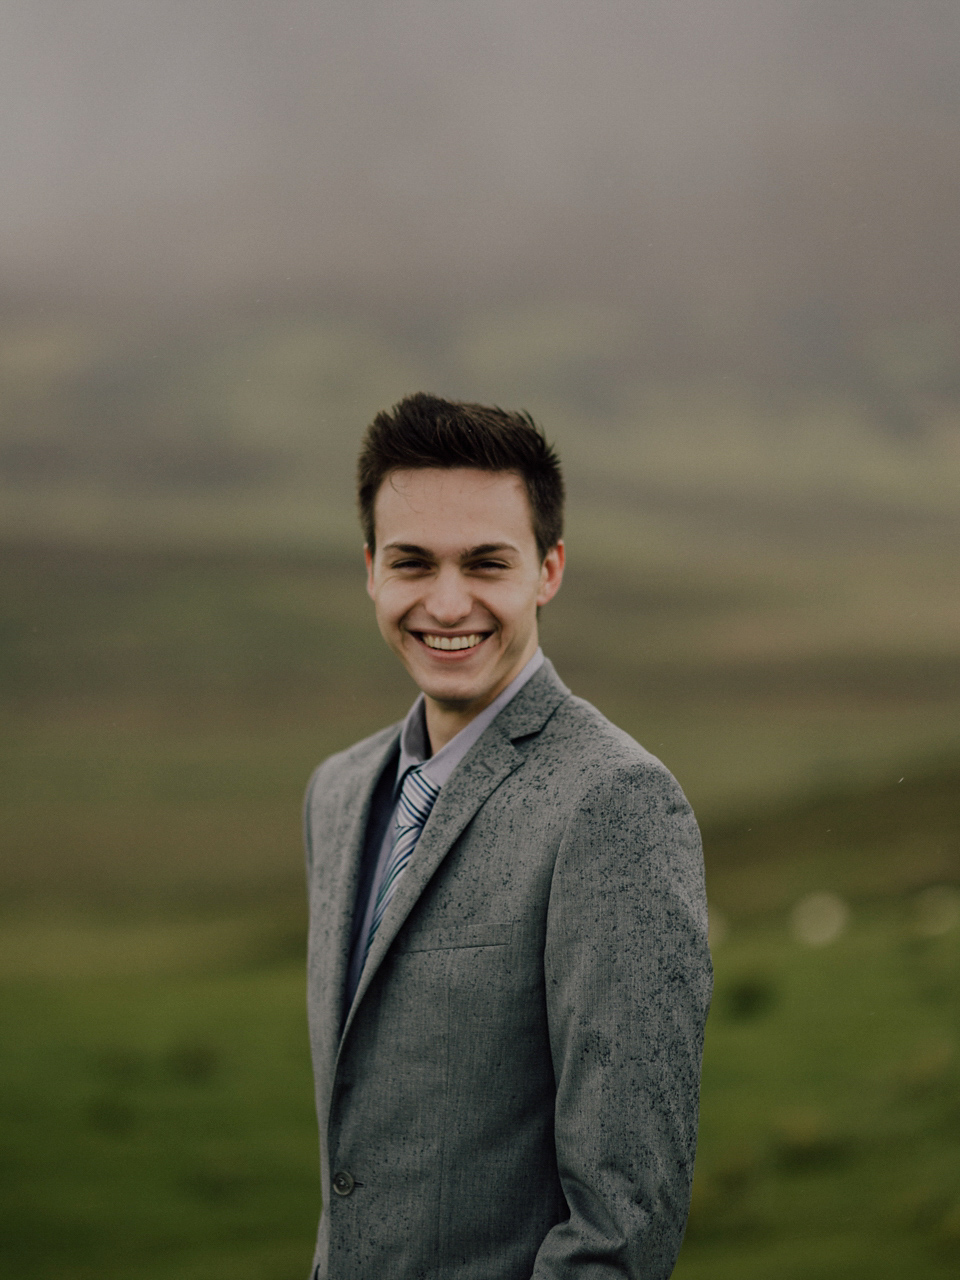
(628,982)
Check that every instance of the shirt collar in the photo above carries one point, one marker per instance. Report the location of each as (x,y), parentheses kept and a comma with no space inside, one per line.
(414,743)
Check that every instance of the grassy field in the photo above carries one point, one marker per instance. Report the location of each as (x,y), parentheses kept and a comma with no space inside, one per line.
(829,1117)
(161,714)
(157,1121)
(158,1125)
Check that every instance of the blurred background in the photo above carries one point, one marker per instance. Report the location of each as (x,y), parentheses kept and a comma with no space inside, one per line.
(714,250)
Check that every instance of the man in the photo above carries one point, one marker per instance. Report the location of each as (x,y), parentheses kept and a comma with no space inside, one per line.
(508,970)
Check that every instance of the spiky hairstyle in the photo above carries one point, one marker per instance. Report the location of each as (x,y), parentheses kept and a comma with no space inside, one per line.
(424,431)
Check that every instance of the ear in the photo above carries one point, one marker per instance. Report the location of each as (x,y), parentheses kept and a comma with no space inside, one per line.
(368,560)
(551,573)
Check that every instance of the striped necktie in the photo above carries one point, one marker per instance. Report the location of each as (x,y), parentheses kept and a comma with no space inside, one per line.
(417,795)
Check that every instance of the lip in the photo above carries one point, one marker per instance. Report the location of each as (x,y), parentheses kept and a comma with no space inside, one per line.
(449,655)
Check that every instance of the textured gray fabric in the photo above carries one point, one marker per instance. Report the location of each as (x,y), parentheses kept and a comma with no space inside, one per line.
(414,745)
(414,750)
(515,1088)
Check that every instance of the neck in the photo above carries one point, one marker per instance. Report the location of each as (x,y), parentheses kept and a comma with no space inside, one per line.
(444,720)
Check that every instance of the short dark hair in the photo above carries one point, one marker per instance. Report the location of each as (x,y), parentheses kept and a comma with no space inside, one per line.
(424,431)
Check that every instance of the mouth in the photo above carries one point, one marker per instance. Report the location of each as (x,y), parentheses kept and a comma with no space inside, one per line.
(461,644)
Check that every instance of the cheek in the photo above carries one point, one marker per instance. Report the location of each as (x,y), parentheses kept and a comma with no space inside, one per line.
(394,600)
(387,605)
(515,606)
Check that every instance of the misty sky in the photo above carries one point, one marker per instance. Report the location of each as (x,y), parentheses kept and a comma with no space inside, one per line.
(173,147)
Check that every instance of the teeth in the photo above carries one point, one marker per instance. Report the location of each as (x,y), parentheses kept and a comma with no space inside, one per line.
(452,642)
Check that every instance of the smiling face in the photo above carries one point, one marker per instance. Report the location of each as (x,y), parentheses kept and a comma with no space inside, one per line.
(456,581)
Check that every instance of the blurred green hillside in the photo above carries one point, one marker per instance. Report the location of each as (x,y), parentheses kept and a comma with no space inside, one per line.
(730,541)
(162,712)
(163,709)
(244,430)
(762,589)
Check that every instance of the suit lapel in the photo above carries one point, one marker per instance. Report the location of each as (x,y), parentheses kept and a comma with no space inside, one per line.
(492,759)
(331,939)
(461,797)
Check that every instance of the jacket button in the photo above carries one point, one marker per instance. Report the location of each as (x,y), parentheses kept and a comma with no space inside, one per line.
(343,1183)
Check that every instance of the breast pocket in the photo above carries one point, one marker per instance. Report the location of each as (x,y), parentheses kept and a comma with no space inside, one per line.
(454,937)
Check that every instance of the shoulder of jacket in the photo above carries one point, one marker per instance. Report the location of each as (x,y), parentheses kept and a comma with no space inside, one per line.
(353,759)
(592,756)
(579,728)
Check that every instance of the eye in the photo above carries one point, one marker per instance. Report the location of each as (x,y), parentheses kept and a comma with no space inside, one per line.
(409,563)
(489,564)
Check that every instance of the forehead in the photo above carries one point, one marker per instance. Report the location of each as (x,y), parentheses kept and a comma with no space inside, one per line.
(452,507)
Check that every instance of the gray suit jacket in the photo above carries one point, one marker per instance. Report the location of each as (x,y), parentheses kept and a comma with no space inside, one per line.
(513,1092)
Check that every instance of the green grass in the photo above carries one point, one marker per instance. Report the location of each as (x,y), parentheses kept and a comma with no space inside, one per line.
(157,1117)
(162,712)
(158,1126)
(157,1112)
(829,1115)
(868,843)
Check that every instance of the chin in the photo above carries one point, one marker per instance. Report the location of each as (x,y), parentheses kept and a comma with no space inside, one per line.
(451,688)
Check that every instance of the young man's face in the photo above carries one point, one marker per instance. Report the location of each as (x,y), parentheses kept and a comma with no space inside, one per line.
(456,580)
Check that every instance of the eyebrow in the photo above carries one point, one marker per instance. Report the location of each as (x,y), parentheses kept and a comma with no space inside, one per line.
(487,549)
(472,553)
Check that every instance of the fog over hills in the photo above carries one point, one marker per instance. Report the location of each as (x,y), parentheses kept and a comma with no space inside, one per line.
(720,169)
(712,245)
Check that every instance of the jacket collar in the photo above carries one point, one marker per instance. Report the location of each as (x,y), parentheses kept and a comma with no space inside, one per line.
(533,705)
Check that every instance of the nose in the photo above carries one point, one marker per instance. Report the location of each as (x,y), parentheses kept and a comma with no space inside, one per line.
(448,601)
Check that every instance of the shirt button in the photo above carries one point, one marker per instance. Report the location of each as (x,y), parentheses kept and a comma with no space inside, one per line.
(343,1183)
